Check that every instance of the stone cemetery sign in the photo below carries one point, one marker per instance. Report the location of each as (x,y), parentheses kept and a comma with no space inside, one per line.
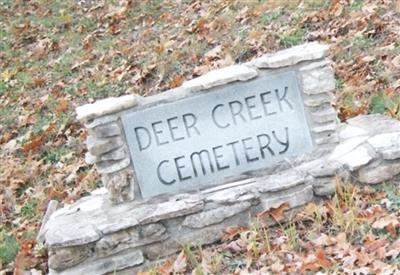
(206,139)
(181,166)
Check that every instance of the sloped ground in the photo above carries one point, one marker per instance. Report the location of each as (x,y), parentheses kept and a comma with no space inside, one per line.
(55,55)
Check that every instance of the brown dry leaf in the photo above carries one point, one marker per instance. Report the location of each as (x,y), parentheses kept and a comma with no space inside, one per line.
(33,145)
(276,213)
(231,232)
(214,52)
(386,221)
(63,105)
(321,259)
(371,213)
(177,81)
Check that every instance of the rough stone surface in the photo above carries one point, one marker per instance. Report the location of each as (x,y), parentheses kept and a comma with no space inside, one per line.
(106,106)
(382,124)
(358,157)
(98,146)
(387,145)
(107,130)
(107,167)
(324,186)
(382,172)
(101,121)
(102,266)
(318,99)
(292,56)
(69,256)
(325,115)
(119,185)
(220,77)
(214,216)
(318,81)
(346,147)
(51,208)
(324,128)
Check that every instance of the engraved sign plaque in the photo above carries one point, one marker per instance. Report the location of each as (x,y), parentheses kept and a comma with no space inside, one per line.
(207,139)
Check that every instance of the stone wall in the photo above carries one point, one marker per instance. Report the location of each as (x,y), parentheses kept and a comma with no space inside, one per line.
(94,237)
(107,147)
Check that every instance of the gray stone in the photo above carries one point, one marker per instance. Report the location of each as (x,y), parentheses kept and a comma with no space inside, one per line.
(153,229)
(214,216)
(382,124)
(318,81)
(360,156)
(156,162)
(292,56)
(319,99)
(315,65)
(106,106)
(232,195)
(324,186)
(321,168)
(377,173)
(117,154)
(324,128)
(108,167)
(325,140)
(101,121)
(326,115)
(346,147)
(121,261)
(60,259)
(98,146)
(51,208)
(106,130)
(119,184)
(220,77)
(347,132)
(281,181)
(122,240)
(387,144)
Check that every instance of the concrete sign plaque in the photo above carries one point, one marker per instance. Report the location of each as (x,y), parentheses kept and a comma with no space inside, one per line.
(207,139)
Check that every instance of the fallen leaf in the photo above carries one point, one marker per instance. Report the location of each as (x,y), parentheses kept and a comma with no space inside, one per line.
(276,213)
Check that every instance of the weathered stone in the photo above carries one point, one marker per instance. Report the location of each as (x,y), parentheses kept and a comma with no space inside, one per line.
(119,185)
(292,56)
(321,168)
(324,186)
(325,128)
(346,147)
(232,195)
(220,77)
(66,257)
(377,173)
(98,146)
(121,261)
(318,99)
(382,124)
(318,81)
(106,106)
(153,229)
(108,167)
(129,238)
(315,65)
(299,195)
(51,208)
(387,144)
(214,216)
(325,115)
(172,209)
(358,157)
(101,121)
(106,130)
(117,154)
(347,132)
(90,159)
(325,140)
(281,181)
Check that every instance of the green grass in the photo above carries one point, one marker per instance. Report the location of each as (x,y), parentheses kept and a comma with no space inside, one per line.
(30,209)
(8,247)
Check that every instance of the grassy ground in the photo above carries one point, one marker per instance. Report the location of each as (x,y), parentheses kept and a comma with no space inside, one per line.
(56,55)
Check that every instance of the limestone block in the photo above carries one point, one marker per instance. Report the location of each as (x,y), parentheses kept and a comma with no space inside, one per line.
(387,144)
(324,186)
(232,195)
(98,146)
(281,181)
(318,99)
(292,56)
(106,130)
(347,132)
(63,258)
(220,77)
(378,172)
(321,168)
(334,138)
(318,81)
(214,216)
(381,123)
(51,208)
(296,197)
(315,65)
(109,166)
(326,115)
(358,157)
(346,147)
(106,106)
(101,121)
(129,238)
(126,259)
(119,185)
(324,128)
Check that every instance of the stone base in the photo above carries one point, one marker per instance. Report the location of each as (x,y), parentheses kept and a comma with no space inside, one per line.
(92,236)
